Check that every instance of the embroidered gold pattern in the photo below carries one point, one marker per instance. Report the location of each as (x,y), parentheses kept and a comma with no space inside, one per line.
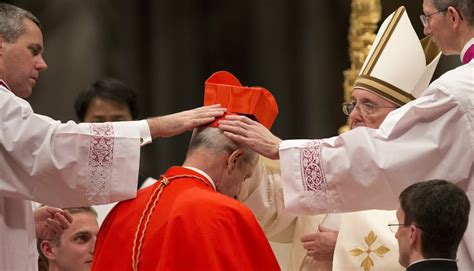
(380,250)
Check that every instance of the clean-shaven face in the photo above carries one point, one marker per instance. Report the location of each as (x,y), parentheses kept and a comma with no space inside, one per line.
(361,96)
(104,110)
(403,239)
(22,61)
(438,29)
(231,182)
(77,244)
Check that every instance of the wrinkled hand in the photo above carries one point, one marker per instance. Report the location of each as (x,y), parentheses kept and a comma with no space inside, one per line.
(51,222)
(170,125)
(252,134)
(320,245)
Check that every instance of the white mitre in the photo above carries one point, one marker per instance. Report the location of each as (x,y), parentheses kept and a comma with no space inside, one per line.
(399,66)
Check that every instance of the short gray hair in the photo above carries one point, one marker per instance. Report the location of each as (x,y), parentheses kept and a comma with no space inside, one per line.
(466,7)
(11,21)
(215,141)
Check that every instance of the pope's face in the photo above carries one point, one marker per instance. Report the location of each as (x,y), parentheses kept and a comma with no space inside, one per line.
(104,110)
(363,97)
(77,244)
(22,61)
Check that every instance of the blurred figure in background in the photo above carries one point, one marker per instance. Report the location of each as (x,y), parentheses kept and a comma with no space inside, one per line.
(107,100)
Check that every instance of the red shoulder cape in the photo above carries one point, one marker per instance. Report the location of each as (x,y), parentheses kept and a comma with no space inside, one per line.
(192,228)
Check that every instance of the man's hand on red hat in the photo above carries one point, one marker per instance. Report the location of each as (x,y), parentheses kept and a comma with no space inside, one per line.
(177,123)
(252,134)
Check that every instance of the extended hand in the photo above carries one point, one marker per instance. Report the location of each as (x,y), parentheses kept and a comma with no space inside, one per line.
(51,222)
(320,245)
(170,125)
(252,134)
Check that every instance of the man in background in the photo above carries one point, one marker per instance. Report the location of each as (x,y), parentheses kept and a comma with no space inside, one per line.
(72,250)
(432,219)
(109,100)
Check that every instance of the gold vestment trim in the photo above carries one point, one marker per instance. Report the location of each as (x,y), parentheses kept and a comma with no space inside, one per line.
(384,89)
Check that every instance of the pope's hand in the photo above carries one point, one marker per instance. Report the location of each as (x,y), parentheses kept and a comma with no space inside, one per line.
(251,134)
(170,125)
(320,245)
(51,222)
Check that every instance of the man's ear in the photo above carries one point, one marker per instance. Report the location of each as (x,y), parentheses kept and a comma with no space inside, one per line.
(454,16)
(415,235)
(233,158)
(47,249)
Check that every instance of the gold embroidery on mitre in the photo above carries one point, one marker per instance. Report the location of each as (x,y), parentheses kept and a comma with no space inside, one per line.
(367,263)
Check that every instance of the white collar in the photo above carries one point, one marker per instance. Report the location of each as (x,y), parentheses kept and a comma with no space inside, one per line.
(4,85)
(464,49)
(203,174)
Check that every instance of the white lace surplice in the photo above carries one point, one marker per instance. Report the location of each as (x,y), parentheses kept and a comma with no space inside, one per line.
(58,164)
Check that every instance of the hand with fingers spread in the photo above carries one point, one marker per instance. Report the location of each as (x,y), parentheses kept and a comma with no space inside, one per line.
(170,125)
(321,244)
(51,222)
(252,134)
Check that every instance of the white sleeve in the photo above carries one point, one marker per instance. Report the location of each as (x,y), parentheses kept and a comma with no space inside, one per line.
(144,129)
(429,138)
(263,194)
(65,164)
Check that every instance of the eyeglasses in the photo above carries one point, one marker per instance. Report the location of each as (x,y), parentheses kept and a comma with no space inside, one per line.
(395,226)
(365,109)
(425,19)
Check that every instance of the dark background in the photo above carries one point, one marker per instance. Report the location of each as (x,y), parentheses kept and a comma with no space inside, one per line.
(166,50)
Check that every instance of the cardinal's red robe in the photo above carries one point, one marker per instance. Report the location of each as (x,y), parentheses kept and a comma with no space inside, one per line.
(192,227)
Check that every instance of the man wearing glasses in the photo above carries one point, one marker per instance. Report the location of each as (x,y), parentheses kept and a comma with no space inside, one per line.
(432,219)
(430,137)
(314,237)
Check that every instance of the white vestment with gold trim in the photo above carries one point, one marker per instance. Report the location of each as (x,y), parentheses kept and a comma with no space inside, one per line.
(431,137)
(263,194)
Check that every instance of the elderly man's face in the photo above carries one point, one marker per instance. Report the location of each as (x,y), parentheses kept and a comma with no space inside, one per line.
(235,175)
(367,99)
